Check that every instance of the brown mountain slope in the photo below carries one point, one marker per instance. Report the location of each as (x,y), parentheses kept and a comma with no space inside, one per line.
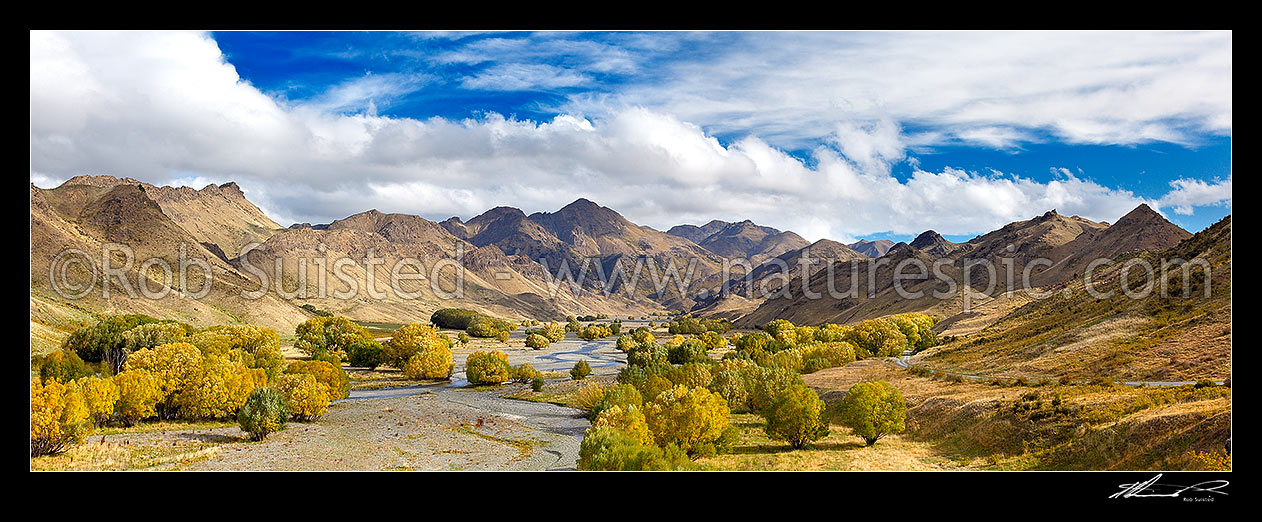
(1150,337)
(876,248)
(697,234)
(509,230)
(934,244)
(1142,229)
(218,215)
(1067,243)
(752,242)
(67,218)
(746,291)
(504,284)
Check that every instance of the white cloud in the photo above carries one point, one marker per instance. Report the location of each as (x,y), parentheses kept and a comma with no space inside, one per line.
(989,88)
(1188,193)
(521,77)
(366,93)
(167,108)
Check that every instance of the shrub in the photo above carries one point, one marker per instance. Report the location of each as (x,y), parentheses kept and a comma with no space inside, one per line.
(753,344)
(463,338)
(217,388)
(263,413)
(524,373)
(627,419)
(609,449)
(626,343)
(790,359)
(100,397)
(872,410)
(536,341)
(144,336)
(764,384)
(690,350)
(693,375)
(430,365)
(62,366)
(414,338)
(595,331)
(580,370)
(92,343)
(253,346)
(333,377)
(553,331)
(693,419)
(366,353)
(797,416)
(138,396)
(454,318)
(712,340)
(654,386)
(306,399)
(59,418)
(729,383)
(487,368)
(175,366)
(618,395)
(589,395)
(648,354)
(537,383)
(330,334)
(486,326)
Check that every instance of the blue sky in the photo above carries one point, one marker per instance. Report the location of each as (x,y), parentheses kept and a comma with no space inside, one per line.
(840,135)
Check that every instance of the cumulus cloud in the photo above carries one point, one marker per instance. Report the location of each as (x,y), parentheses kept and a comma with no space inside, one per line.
(168,108)
(1187,193)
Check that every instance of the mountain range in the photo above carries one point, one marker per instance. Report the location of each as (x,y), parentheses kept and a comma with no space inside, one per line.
(512,260)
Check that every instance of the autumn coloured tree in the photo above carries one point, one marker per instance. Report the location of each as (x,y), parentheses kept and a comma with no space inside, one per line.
(413,339)
(606,448)
(488,368)
(331,335)
(629,420)
(139,393)
(524,373)
(59,417)
(254,346)
(692,418)
(536,341)
(796,416)
(592,332)
(553,331)
(61,365)
(141,337)
(873,410)
(306,399)
(333,377)
(100,396)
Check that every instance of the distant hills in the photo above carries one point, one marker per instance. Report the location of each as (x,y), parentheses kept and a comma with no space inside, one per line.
(512,259)
(876,248)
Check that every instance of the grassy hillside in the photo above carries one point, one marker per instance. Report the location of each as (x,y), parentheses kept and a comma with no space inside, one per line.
(983,426)
(1074,334)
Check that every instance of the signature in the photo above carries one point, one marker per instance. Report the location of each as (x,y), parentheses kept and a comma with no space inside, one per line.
(1151,488)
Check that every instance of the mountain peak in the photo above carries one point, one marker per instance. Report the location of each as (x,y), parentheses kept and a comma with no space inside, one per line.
(927,239)
(581,203)
(1140,214)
